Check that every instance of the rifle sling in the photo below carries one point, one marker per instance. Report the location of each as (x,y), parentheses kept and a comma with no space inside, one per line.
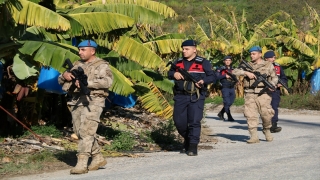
(193,90)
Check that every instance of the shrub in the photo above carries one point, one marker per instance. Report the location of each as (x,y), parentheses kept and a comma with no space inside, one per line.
(124,141)
(164,133)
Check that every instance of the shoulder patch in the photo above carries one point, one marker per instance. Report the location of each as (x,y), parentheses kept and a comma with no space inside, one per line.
(199,59)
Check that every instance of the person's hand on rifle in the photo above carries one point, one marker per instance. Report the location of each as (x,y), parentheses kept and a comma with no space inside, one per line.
(200,83)
(250,75)
(228,77)
(279,85)
(68,76)
(178,76)
(77,83)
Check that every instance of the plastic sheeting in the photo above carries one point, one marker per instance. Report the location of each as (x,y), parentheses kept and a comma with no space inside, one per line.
(48,80)
(116,99)
(315,82)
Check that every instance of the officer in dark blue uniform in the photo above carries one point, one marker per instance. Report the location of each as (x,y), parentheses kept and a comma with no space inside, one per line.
(188,96)
(270,56)
(228,84)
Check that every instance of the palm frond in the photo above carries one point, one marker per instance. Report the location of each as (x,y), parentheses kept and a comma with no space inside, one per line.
(135,51)
(155,102)
(165,85)
(138,75)
(285,61)
(291,42)
(166,46)
(22,68)
(160,8)
(201,36)
(280,14)
(140,14)
(35,15)
(39,33)
(316,63)
(121,85)
(48,54)
(102,22)
(170,36)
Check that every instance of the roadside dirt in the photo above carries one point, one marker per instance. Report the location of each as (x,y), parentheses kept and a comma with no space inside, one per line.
(239,109)
(132,118)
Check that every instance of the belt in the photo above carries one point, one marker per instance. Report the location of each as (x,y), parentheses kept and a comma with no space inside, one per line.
(183,92)
(186,93)
(230,86)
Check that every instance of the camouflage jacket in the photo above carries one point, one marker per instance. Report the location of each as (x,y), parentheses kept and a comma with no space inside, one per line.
(265,67)
(100,78)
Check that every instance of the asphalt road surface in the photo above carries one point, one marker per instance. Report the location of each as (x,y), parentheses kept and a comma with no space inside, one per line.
(294,154)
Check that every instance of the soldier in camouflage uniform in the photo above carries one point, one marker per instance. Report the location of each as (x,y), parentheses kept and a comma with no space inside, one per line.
(86,109)
(256,103)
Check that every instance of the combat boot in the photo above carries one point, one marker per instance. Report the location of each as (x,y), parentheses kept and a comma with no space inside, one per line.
(275,128)
(221,114)
(267,133)
(185,146)
(254,138)
(193,150)
(82,165)
(97,161)
(230,118)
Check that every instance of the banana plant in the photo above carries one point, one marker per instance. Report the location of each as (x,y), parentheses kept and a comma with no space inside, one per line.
(121,27)
(279,33)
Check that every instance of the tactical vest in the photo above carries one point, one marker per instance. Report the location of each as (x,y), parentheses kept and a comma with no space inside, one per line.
(265,69)
(277,68)
(91,70)
(196,71)
(226,82)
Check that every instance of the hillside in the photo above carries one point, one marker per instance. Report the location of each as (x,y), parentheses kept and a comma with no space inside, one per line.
(256,11)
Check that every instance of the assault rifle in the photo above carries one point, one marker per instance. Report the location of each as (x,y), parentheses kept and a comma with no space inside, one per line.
(184,73)
(79,75)
(260,78)
(233,77)
(284,85)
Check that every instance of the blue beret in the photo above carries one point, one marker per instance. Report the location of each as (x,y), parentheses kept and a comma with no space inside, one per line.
(88,43)
(227,57)
(255,48)
(269,54)
(189,43)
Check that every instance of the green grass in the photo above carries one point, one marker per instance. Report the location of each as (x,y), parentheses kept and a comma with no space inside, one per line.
(304,101)
(219,100)
(25,163)
(50,130)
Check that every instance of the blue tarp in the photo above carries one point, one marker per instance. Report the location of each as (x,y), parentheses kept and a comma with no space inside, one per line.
(48,80)
(119,100)
(315,81)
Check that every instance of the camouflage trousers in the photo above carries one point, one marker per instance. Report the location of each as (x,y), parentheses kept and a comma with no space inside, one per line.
(85,121)
(258,106)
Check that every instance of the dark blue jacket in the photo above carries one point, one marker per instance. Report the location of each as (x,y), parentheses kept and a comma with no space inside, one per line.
(208,76)
(280,72)
(221,74)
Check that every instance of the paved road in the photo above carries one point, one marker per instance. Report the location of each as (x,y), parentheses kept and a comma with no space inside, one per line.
(294,154)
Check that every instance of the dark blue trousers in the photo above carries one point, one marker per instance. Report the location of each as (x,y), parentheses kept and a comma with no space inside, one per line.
(187,116)
(275,104)
(228,95)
